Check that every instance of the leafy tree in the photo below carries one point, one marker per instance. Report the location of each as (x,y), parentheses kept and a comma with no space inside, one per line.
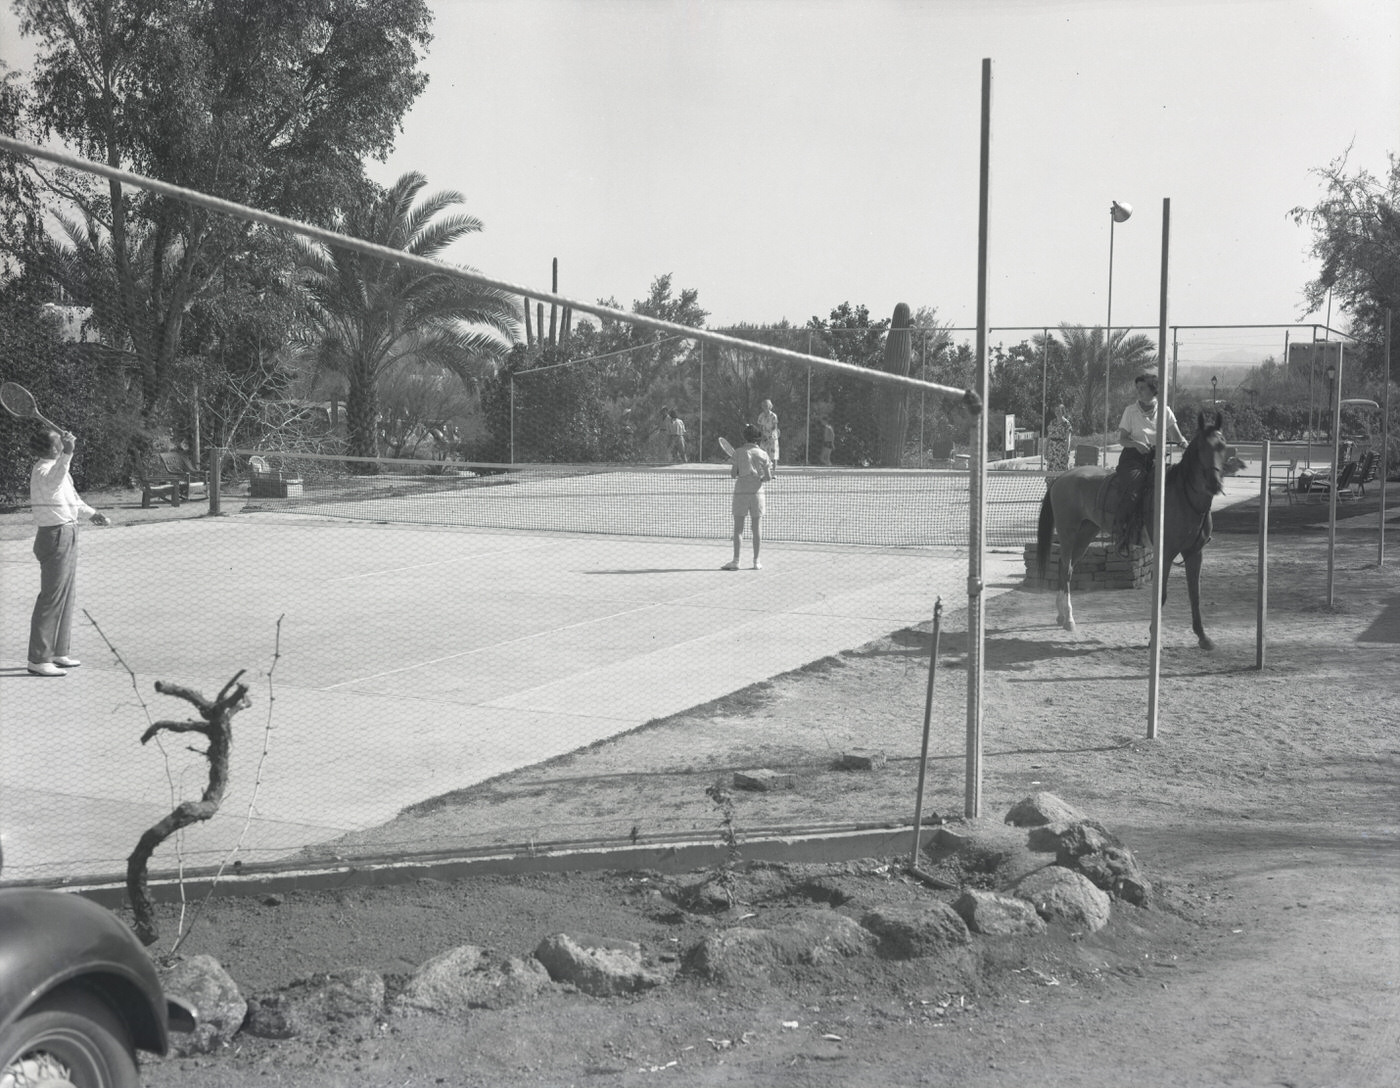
(1356,237)
(850,336)
(274,105)
(369,314)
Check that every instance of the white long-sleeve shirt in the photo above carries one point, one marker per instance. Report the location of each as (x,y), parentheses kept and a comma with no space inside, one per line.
(53,499)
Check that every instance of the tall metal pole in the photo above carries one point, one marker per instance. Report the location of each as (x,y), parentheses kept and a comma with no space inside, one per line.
(1159,490)
(1385,441)
(1108,335)
(1336,407)
(977,495)
(1261,603)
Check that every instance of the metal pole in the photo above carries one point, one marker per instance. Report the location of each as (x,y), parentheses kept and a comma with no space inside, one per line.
(1385,441)
(216,465)
(928,719)
(1159,490)
(1261,611)
(700,442)
(1312,383)
(1044,389)
(1108,336)
(1336,407)
(977,496)
(807,457)
(512,419)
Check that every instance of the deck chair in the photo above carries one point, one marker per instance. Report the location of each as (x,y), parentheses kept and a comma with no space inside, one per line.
(156,483)
(1368,471)
(1321,484)
(192,483)
(1285,479)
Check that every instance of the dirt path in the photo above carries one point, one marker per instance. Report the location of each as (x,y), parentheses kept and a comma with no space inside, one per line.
(1266,810)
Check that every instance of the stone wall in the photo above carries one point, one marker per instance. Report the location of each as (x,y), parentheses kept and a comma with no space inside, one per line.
(1101,568)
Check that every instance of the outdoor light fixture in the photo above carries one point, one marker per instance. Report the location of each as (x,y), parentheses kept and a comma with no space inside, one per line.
(1212,393)
(1117,213)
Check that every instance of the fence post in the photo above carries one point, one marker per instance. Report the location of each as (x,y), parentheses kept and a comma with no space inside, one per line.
(1261,618)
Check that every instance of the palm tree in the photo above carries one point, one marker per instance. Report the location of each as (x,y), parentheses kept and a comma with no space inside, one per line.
(1084,351)
(371,314)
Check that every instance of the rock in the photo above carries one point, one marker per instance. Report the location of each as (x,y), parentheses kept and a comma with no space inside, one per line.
(861,759)
(1062,895)
(596,965)
(1042,808)
(468,977)
(909,931)
(996,915)
(202,981)
(311,1005)
(983,851)
(763,779)
(1088,848)
(809,936)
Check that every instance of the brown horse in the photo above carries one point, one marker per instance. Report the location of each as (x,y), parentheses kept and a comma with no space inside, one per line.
(1077,504)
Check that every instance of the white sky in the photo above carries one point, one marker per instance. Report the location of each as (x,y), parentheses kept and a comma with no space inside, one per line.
(783,156)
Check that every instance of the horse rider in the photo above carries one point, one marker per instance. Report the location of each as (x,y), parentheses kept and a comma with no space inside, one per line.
(1142,421)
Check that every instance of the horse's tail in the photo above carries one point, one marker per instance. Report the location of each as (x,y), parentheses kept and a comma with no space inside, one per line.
(1044,533)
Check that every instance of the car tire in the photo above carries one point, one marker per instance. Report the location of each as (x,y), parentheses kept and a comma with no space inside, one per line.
(70,1037)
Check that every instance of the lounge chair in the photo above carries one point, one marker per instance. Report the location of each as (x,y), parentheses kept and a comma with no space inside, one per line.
(1320,484)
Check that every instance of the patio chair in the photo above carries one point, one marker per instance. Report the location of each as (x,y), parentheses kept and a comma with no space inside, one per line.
(178,468)
(1320,484)
(1369,471)
(1285,478)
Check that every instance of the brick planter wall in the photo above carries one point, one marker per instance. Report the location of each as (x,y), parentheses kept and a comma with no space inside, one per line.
(1101,568)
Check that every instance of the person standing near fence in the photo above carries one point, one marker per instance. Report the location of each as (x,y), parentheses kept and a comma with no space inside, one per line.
(751,469)
(768,428)
(1059,432)
(675,427)
(56,507)
(828,441)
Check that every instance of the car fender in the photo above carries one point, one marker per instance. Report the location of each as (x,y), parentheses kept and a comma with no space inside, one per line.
(50,940)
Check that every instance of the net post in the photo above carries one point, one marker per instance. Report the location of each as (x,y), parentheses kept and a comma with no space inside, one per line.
(977,497)
(216,471)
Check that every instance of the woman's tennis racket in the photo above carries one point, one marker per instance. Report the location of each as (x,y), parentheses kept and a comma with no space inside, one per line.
(19,402)
(725,446)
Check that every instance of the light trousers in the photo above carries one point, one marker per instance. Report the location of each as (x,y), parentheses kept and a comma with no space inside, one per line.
(56,548)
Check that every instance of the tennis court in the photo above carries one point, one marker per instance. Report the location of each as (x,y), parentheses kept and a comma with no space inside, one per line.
(415,659)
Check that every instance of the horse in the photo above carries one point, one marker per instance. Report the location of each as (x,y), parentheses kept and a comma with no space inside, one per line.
(1078,503)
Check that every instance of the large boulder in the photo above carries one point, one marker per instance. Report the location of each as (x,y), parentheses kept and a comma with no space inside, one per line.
(909,931)
(353,999)
(1042,808)
(468,977)
(1062,895)
(995,915)
(979,852)
(203,982)
(597,966)
(747,954)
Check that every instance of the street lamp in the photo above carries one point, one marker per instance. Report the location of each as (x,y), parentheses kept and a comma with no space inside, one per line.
(1117,213)
(1213,380)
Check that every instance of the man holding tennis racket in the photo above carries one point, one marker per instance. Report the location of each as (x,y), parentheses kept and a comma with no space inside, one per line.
(56,506)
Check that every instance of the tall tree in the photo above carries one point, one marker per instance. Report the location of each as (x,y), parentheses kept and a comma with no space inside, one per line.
(1084,367)
(270,104)
(370,313)
(1356,237)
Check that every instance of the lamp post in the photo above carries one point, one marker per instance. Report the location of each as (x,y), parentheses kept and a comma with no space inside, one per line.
(1117,213)
(1213,380)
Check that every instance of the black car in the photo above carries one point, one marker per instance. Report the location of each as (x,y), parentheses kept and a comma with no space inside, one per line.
(78,995)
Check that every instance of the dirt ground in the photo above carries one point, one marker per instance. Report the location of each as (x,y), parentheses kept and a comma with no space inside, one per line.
(1265,812)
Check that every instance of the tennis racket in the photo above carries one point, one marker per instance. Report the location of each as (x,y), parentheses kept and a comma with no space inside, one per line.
(723,444)
(19,402)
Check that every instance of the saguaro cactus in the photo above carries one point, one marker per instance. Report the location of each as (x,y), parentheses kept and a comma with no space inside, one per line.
(893,401)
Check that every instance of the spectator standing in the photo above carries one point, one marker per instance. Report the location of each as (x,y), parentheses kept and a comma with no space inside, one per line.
(768,430)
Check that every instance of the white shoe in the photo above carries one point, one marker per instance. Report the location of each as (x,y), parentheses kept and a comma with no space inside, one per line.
(757,565)
(45,668)
(731,565)
(67,662)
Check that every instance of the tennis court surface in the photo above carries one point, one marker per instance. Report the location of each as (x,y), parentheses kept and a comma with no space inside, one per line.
(413,661)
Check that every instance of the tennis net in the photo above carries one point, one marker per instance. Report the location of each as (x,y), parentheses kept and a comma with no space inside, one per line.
(870,507)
